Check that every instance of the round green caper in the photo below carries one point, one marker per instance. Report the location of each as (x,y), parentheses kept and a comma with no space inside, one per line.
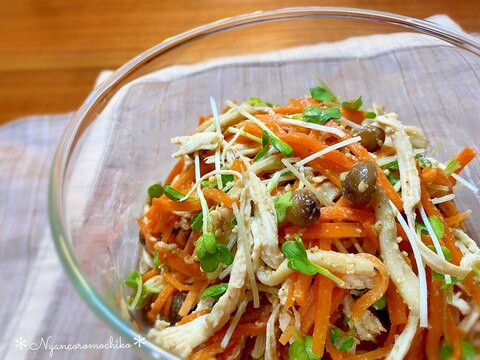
(359,184)
(305,209)
(372,137)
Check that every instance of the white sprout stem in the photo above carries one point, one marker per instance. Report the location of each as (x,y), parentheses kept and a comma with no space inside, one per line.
(302,178)
(230,144)
(233,324)
(197,167)
(350,123)
(327,150)
(312,126)
(204,204)
(244,133)
(421,269)
(243,239)
(436,243)
(249,116)
(206,176)
(465,182)
(442,199)
(218,128)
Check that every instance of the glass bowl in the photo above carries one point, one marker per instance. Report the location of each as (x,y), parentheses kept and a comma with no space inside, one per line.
(117,143)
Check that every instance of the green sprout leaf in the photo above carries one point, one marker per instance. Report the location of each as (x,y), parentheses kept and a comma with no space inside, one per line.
(437,226)
(197,221)
(215,291)
(340,339)
(370,115)
(282,204)
(313,114)
(265,142)
(173,193)
(211,254)
(255,101)
(297,257)
(155,191)
(227,179)
(468,351)
(281,145)
(391,166)
(134,281)
(354,105)
(422,161)
(322,93)
(155,261)
(301,349)
(393,178)
(446,352)
(381,303)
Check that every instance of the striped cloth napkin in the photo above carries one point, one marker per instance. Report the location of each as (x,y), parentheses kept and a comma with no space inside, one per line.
(39,307)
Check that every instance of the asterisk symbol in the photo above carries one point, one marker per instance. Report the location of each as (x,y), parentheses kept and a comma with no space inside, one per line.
(21,343)
(139,340)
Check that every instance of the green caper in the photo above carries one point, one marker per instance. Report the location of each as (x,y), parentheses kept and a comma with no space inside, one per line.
(359,184)
(372,137)
(305,209)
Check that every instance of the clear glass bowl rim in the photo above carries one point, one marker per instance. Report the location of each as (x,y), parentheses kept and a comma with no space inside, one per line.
(78,124)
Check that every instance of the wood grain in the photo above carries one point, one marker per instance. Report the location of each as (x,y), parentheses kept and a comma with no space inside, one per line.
(51,51)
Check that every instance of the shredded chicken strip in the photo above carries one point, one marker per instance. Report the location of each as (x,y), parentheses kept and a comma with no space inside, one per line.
(403,341)
(406,163)
(201,141)
(271,334)
(368,327)
(230,118)
(264,223)
(350,264)
(182,339)
(400,272)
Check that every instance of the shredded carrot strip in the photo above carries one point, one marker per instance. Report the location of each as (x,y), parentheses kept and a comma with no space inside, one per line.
(343,202)
(302,285)
(167,307)
(322,316)
(397,310)
(296,106)
(338,295)
(372,236)
(185,178)
(219,197)
(457,219)
(435,176)
(380,352)
(453,338)
(193,316)
(190,301)
(160,301)
(362,154)
(291,288)
(448,208)
(417,346)
(286,335)
(436,304)
(332,350)
(208,352)
(175,282)
(331,231)
(238,165)
(307,312)
(341,213)
(177,169)
(354,115)
(448,238)
(464,157)
(149,274)
(176,260)
(368,299)
(172,205)
(473,288)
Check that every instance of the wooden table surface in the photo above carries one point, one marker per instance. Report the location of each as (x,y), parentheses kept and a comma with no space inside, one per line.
(52,50)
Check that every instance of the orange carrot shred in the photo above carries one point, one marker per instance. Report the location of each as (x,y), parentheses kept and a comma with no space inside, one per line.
(160,301)
(193,316)
(322,316)
(375,293)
